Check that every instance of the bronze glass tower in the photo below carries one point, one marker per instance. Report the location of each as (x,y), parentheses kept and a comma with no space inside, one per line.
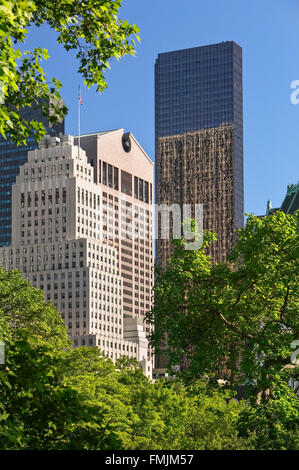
(199,138)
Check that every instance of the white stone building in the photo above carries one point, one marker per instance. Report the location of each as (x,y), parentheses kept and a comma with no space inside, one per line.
(60,223)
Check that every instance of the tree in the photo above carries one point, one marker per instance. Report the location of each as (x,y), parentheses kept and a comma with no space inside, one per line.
(96,379)
(171,416)
(236,320)
(89,27)
(55,397)
(212,419)
(272,425)
(24,308)
(39,407)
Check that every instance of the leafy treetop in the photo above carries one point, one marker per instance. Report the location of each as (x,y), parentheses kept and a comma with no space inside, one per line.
(89,27)
(236,320)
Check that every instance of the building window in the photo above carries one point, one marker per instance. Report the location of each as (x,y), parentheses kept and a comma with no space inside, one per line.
(140,190)
(104,173)
(126,183)
(110,176)
(115,178)
(146,193)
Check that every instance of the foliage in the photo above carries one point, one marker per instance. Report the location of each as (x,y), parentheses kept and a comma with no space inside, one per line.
(161,415)
(273,425)
(211,421)
(24,307)
(171,418)
(236,319)
(39,408)
(56,397)
(96,379)
(79,400)
(89,27)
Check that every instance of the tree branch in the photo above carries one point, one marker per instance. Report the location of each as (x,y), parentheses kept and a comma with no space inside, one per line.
(232,327)
(285,303)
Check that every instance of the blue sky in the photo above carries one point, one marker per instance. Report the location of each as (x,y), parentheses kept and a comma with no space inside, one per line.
(267,30)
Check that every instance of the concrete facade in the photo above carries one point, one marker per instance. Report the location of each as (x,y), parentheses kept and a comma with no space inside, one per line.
(128,224)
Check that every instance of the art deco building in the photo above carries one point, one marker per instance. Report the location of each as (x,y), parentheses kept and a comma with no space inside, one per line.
(12,157)
(199,138)
(73,238)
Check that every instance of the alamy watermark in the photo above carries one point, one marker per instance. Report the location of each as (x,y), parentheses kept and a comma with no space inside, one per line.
(169,222)
(162,223)
(1,93)
(295,94)
(295,354)
(2,353)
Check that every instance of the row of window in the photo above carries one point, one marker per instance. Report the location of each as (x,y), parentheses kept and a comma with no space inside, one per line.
(107,343)
(109,176)
(57,195)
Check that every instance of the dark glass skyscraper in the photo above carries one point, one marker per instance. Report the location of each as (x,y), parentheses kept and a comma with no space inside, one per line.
(12,157)
(199,142)
(198,88)
(199,137)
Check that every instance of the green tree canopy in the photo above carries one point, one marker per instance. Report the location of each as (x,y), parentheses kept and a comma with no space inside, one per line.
(39,407)
(55,397)
(23,307)
(234,320)
(89,27)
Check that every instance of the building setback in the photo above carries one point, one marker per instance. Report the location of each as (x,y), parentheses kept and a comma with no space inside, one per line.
(12,157)
(290,204)
(67,234)
(199,138)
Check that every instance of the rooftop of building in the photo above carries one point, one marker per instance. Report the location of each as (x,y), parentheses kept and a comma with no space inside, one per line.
(98,133)
(103,133)
(205,46)
(290,203)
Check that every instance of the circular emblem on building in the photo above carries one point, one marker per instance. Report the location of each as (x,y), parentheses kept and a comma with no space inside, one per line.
(126,142)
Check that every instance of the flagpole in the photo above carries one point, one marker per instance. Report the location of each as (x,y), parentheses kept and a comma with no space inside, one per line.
(79,104)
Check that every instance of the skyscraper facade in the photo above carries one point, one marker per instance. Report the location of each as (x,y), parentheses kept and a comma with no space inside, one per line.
(12,157)
(199,138)
(125,173)
(74,238)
